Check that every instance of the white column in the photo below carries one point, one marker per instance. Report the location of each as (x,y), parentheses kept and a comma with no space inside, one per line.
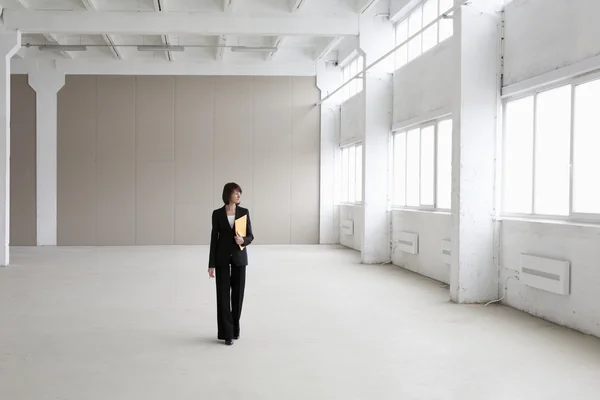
(10,43)
(474,277)
(329,79)
(46,81)
(376,38)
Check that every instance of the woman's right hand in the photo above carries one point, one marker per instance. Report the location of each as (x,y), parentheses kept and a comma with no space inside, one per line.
(211,272)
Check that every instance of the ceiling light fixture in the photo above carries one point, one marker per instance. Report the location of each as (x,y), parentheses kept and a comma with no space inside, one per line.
(246,49)
(160,48)
(62,47)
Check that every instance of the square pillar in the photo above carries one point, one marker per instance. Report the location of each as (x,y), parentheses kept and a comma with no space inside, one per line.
(376,39)
(10,43)
(473,275)
(329,79)
(47,82)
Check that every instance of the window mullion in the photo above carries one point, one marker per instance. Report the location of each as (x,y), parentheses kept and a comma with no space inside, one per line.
(419,166)
(533,169)
(571,152)
(435,164)
(405,169)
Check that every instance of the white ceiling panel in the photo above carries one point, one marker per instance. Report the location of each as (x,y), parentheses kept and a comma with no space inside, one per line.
(111,30)
(52,5)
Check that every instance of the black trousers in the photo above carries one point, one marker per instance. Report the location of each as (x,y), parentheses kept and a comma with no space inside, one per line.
(231,281)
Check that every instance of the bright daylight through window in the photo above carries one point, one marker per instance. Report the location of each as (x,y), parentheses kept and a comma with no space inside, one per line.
(351,174)
(424,14)
(550,143)
(349,71)
(422,166)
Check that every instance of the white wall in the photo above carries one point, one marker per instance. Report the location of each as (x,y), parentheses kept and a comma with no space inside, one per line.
(432,229)
(577,244)
(356,214)
(347,48)
(352,127)
(542,36)
(425,84)
(352,130)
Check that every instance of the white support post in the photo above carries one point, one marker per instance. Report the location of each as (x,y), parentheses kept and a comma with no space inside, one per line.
(329,78)
(473,275)
(47,82)
(376,38)
(10,43)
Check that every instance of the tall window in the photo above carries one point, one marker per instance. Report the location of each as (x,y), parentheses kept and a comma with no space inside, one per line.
(356,85)
(550,143)
(422,166)
(351,174)
(420,17)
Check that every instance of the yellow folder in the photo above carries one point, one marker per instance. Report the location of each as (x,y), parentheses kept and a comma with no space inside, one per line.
(240,227)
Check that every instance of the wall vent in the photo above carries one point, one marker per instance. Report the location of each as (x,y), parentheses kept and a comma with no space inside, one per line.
(546,274)
(407,242)
(446,251)
(347,227)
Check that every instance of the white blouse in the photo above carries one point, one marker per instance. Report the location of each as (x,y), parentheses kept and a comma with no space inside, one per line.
(231,219)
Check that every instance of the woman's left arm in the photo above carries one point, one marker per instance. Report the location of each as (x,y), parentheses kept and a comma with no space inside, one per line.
(249,236)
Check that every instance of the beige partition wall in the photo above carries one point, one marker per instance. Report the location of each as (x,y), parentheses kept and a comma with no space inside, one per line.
(142,160)
(22,164)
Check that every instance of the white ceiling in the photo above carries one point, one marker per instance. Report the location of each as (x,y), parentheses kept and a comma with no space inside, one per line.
(112,29)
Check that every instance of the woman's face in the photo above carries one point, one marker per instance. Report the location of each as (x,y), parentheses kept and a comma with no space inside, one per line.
(236,196)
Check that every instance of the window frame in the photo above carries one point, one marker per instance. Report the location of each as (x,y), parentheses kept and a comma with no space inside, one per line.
(435,123)
(419,37)
(358,171)
(572,217)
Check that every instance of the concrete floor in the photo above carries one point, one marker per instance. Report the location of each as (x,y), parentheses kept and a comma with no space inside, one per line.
(139,323)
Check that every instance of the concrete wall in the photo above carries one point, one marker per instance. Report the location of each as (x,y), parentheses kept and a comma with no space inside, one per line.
(426,84)
(423,86)
(432,229)
(22,163)
(142,160)
(577,244)
(355,213)
(541,36)
(352,127)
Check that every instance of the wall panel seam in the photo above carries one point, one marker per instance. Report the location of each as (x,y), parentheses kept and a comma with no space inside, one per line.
(135,156)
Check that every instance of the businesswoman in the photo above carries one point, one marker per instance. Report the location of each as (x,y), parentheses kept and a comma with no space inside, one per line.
(228,259)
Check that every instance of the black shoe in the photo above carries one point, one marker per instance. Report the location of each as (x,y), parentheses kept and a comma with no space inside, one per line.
(236,337)
(229,342)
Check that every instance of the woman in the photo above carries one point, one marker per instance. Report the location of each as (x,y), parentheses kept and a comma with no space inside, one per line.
(228,259)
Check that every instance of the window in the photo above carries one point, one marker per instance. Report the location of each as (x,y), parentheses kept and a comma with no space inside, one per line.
(549,144)
(420,17)
(422,166)
(356,85)
(351,185)
(586,142)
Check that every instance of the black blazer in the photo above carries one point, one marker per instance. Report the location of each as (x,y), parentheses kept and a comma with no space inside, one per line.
(223,247)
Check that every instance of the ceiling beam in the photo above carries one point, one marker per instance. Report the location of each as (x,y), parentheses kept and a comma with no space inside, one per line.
(135,23)
(91,5)
(276,43)
(159,6)
(295,6)
(229,5)
(220,50)
(49,36)
(326,47)
(364,6)
(159,67)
